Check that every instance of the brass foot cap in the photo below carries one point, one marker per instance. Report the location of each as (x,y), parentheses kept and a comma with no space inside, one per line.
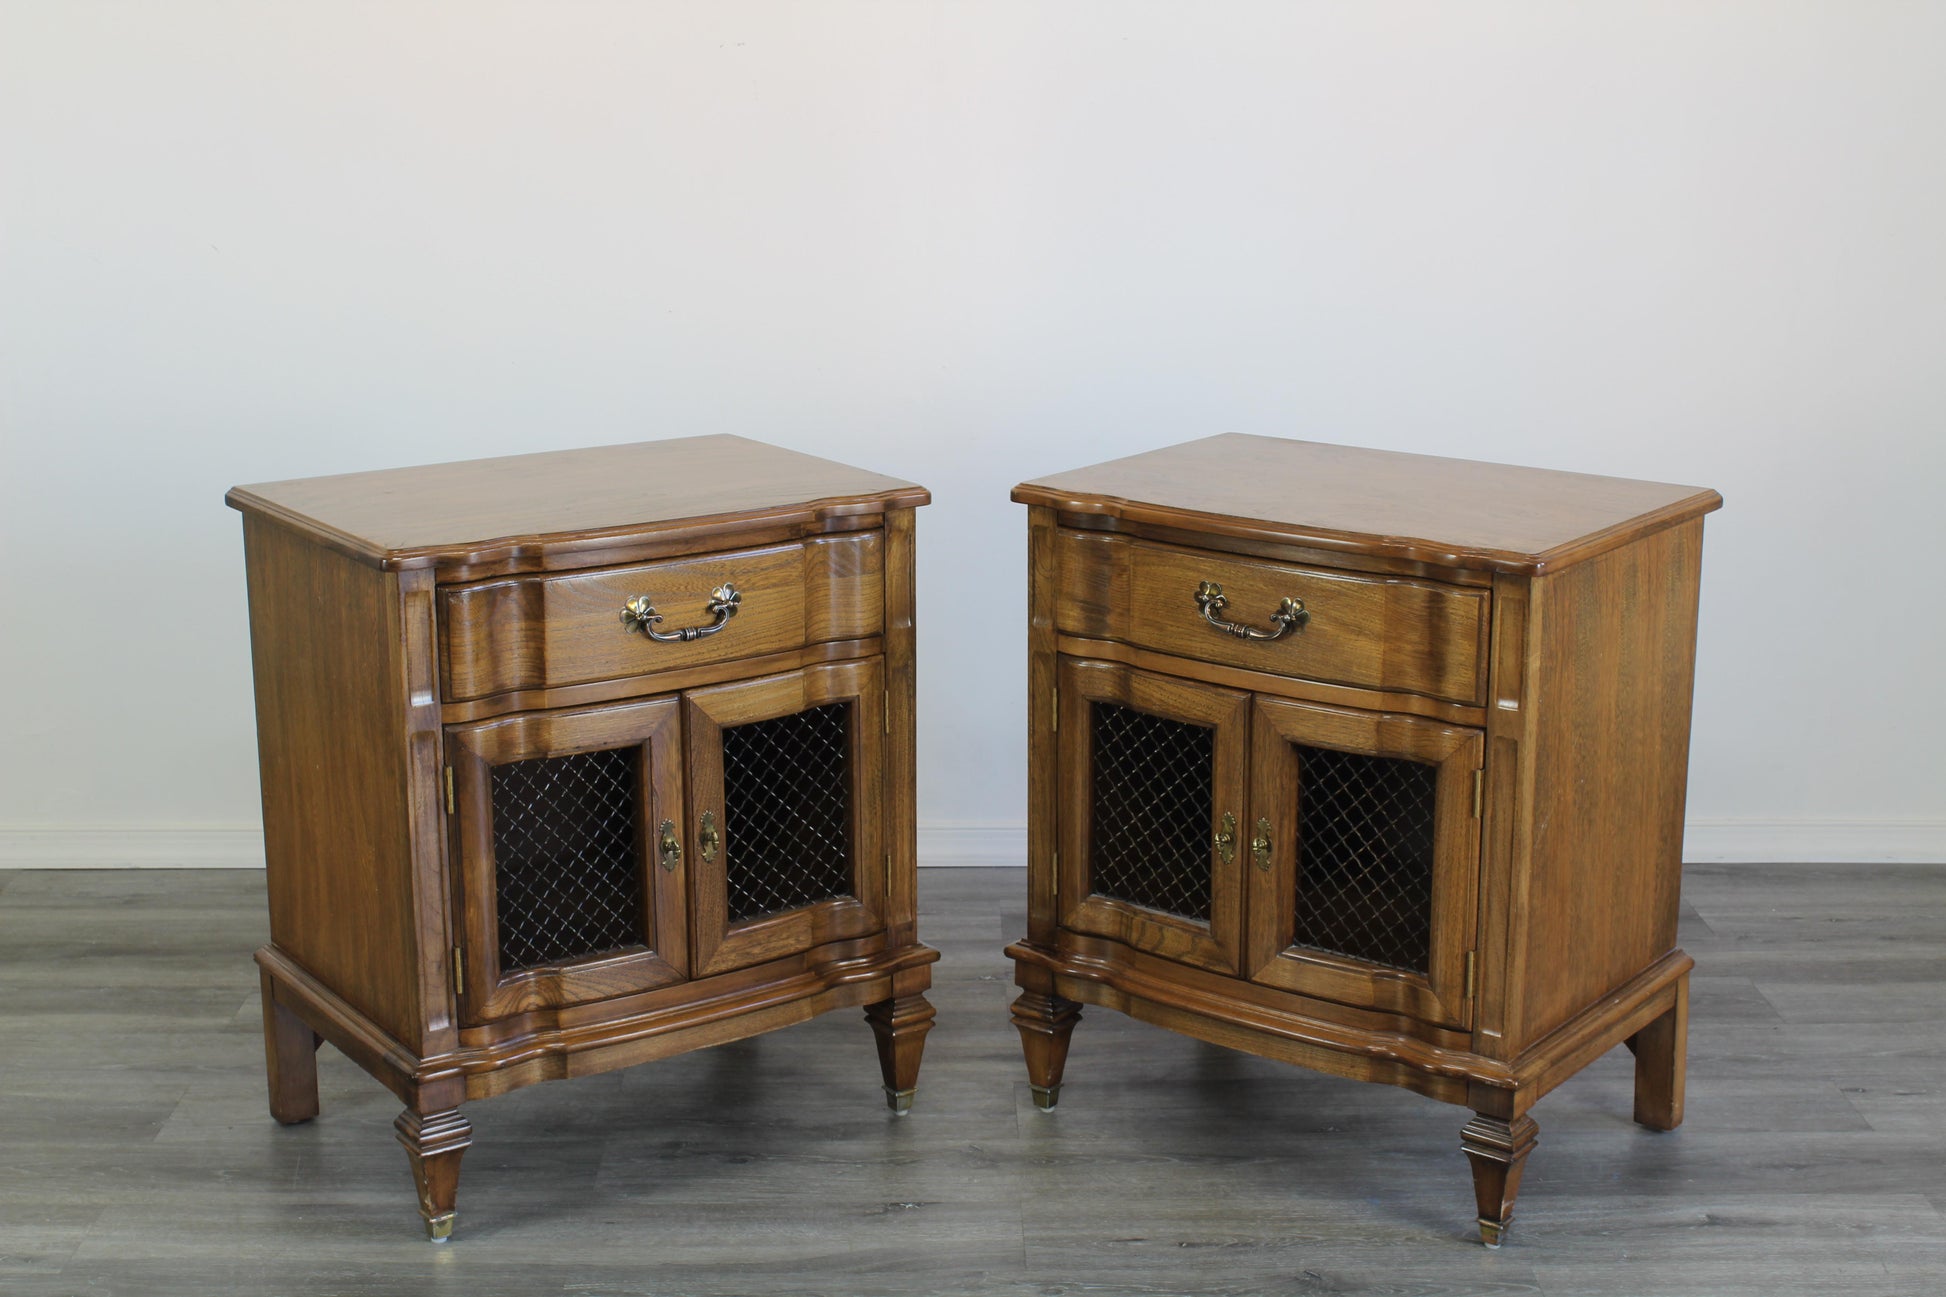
(899,1101)
(1045,1096)
(440,1228)
(1493,1233)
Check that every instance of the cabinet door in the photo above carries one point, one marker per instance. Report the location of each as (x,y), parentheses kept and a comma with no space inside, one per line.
(1152,797)
(566,827)
(1365,858)
(787,794)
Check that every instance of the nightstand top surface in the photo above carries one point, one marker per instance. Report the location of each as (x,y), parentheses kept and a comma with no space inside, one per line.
(1424,508)
(410,517)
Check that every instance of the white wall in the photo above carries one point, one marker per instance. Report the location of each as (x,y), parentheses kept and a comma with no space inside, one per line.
(968,244)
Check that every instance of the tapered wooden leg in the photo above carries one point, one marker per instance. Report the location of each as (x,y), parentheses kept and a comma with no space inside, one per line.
(1498,1150)
(1046,1022)
(434,1143)
(290,1060)
(1661,1052)
(900,1025)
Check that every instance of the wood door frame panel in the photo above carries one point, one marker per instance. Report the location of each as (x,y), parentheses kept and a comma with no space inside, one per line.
(1218,945)
(653,726)
(1438,996)
(717,945)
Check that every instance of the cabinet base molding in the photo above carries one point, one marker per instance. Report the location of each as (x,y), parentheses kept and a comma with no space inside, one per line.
(1648,1014)
(481,1072)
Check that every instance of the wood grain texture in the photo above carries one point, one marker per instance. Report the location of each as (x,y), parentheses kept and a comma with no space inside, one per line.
(326,647)
(290,1059)
(1661,1052)
(539,632)
(653,730)
(1611,647)
(414,630)
(901,778)
(526,512)
(1142,595)
(716,944)
(1217,942)
(1529,635)
(1439,993)
(1420,508)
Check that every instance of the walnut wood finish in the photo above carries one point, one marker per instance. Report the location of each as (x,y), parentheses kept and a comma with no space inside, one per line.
(719,947)
(434,1144)
(1218,943)
(488,992)
(290,1059)
(412,629)
(1372,504)
(1140,594)
(550,632)
(1528,634)
(1270,955)
(578,508)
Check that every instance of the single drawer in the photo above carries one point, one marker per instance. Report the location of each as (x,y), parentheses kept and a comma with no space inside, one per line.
(542,632)
(1369,632)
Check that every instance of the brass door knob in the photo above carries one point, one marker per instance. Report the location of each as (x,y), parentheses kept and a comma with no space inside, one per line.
(1225,839)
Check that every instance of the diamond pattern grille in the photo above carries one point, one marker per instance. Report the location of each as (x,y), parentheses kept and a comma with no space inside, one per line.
(787,811)
(567,857)
(1365,852)
(1152,812)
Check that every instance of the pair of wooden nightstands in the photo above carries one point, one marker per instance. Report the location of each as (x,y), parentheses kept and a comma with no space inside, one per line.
(1373,763)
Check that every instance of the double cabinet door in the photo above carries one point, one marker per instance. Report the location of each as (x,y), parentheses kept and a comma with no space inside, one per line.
(603,851)
(1323,850)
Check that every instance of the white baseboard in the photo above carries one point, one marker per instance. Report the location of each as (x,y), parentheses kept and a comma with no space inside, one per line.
(1815,841)
(959,843)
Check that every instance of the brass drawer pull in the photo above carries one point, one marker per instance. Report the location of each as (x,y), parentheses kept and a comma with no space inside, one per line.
(1289,615)
(639,614)
(1225,839)
(670,847)
(708,838)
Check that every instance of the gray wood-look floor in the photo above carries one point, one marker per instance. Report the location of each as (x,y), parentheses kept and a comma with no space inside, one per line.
(136,1156)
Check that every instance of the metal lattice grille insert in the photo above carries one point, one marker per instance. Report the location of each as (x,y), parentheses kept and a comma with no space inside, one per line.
(787,811)
(567,857)
(1365,853)
(1152,812)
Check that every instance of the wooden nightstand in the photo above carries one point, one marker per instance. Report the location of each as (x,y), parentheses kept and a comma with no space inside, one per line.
(1369,762)
(575,760)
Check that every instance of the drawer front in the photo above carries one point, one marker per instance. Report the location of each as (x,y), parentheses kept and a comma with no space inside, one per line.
(543,632)
(1369,632)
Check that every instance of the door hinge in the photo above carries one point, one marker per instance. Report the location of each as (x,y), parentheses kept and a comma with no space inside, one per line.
(1056,691)
(459,968)
(1472,964)
(888,711)
(449,790)
(1479,791)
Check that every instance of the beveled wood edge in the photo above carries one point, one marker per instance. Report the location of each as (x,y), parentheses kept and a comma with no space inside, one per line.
(390,1062)
(1599,1028)
(1538,1069)
(543,1052)
(1405,548)
(508,555)
(652,683)
(1383,1046)
(546,1052)
(1282,687)
(1285,551)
